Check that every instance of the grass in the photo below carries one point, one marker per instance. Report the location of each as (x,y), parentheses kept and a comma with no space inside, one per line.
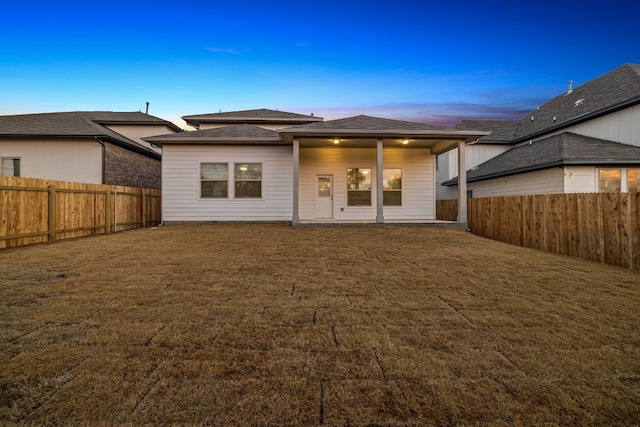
(266,324)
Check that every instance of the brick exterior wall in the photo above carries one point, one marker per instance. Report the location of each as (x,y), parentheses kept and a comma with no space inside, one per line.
(124,167)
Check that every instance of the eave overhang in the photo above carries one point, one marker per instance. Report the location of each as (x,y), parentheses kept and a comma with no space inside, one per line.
(160,140)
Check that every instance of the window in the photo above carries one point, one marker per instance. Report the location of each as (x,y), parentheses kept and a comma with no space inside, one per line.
(214,179)
(248,180)
(358,187)
(9,166)
(392,187)
(634,180)
(610,180)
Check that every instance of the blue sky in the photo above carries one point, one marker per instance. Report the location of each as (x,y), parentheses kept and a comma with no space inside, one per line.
(413,60)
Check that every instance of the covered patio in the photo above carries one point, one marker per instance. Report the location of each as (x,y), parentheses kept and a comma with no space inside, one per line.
(380,143)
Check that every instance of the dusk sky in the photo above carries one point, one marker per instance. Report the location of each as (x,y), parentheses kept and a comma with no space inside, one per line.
(412,60)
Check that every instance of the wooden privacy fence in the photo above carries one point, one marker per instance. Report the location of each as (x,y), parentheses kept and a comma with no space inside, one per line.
(603,227)
(36,210)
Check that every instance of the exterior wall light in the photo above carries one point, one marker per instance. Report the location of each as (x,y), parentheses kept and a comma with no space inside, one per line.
(405,141)
(336,140)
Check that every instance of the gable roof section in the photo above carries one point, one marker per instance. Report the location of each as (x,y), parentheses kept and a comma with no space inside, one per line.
(502,131)
(128,118)
(234,134)
(362,122)
(262,115)
(565,149)
(65,125)
(617,89)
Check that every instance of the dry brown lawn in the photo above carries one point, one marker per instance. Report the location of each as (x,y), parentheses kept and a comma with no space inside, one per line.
(268,324)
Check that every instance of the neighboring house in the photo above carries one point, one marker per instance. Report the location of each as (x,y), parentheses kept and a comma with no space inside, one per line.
(357,169)
(98,147)
(581,141)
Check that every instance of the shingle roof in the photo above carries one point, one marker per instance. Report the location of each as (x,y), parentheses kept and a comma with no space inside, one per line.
(226,134)
(615,89)
(369,123)
(125,117)
(76,124)
(564,149)
(262,115)
(502,131)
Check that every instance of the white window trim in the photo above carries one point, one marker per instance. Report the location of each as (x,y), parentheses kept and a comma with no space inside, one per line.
(233,182)
(624,177)
(229,187)
(400,190)
(12,157)
(346,189)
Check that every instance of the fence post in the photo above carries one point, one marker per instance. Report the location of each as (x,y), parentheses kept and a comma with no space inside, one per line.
(52,213)
(144,210)
(107,212)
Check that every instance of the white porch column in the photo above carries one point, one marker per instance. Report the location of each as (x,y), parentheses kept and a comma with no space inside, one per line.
(295,219)
(462,182)
(379,193)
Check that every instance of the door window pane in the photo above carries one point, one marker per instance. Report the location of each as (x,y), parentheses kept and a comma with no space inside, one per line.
(324,187)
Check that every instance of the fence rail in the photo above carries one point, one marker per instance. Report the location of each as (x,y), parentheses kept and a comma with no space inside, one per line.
(603,227)
(36,210)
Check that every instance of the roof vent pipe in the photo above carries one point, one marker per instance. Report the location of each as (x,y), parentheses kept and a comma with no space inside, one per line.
(569,87)
(147,110)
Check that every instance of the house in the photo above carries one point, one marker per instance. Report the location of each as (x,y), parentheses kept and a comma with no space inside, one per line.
(99,147)
(587,139)
(268,165)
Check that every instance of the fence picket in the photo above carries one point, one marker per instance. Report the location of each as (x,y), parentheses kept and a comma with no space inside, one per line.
(603,227)
(36,210)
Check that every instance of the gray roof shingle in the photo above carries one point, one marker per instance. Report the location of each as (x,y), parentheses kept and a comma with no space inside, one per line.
(262,115)
(615,89)
(126,117)
(237,133)
(502,131)
(564,149)
(369,123)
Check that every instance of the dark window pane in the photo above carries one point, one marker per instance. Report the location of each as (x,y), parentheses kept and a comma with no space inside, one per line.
(392,198)
(359,198)
(213,189)
(248,188)
(248,171)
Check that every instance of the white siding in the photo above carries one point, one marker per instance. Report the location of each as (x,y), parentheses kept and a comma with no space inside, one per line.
(418,184)
(136,132)
(448,165)
(418,174)
(580,179)
(622,126)
(546,181)
(181,184)
(79,161)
